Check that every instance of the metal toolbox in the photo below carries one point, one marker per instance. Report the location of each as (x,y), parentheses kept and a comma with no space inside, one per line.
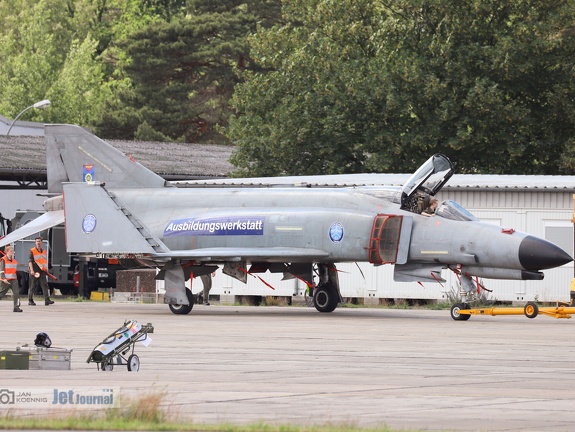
(50,358)
(14,360)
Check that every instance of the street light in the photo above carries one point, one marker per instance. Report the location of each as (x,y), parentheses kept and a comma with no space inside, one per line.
(41,105)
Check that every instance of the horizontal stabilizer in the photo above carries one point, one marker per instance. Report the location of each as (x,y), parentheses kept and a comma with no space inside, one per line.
(45,221)
(95,223)
(279,254)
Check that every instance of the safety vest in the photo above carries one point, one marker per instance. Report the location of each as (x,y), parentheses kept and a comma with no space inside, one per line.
(40,258)
(10,268)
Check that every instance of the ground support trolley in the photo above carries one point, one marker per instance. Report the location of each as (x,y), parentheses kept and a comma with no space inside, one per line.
(119,344)
(462,311)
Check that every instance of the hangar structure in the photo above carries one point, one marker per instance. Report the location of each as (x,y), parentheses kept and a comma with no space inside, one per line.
(23,161)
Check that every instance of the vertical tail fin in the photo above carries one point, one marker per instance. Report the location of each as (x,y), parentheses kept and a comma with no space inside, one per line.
(75,155)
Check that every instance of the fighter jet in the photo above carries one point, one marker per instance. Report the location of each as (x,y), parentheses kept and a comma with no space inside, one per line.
(112,206)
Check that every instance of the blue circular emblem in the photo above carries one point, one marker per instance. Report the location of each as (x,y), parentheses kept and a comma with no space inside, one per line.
(89,223)
(336,232)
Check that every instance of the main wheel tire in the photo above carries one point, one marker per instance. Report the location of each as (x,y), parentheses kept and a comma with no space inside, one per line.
(531,310)
(455,312)
(325,298)
(184,309)
(133,363)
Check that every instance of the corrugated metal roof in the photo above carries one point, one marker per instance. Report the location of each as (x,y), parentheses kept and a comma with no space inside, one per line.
(524,182)
(186,159)
(22,154)
(458,181)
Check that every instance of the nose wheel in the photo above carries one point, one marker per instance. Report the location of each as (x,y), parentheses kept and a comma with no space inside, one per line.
(456,312)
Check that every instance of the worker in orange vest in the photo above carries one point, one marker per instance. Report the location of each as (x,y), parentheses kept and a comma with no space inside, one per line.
(38,266)
(8,277)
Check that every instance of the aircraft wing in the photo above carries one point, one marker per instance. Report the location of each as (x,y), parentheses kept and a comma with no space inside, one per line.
(47,220)
(239,254)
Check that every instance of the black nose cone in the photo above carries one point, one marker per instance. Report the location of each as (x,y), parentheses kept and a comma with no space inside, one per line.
(539,254)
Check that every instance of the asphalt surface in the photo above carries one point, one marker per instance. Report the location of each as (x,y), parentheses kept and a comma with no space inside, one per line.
(407,369)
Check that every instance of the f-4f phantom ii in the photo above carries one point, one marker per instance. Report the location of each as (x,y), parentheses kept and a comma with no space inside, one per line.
(114,207)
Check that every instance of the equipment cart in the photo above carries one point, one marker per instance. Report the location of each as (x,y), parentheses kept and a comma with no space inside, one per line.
(462,311)
(118,344)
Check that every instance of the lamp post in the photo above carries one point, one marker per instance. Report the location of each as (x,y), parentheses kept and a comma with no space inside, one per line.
(41,105)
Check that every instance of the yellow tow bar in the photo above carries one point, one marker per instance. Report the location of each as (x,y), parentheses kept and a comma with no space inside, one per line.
(462,311)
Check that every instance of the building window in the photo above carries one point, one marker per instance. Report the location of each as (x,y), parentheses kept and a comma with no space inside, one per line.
(560,233)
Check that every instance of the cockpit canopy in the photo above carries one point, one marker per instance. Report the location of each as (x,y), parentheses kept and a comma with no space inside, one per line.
(451,210)
(430,177)
(426,181)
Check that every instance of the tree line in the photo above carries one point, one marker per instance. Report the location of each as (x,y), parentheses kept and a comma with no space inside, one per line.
(306,86)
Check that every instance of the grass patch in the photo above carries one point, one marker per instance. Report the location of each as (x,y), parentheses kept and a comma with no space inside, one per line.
(145,414)
(88,423)
(440,305)
(353,306)
(276,301)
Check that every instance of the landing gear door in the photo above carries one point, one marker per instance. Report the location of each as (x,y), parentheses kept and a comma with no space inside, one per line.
(404,240)
(430,177)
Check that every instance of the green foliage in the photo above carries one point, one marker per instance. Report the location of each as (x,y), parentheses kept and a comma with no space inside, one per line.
(31,41)
(45,62)
(182,72)
(320,86)
(145,132)
(304,114)
(354,86)
(77,91)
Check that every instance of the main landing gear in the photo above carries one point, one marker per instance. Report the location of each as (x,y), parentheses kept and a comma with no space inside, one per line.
(183,309)
(325,298)
(326,295)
